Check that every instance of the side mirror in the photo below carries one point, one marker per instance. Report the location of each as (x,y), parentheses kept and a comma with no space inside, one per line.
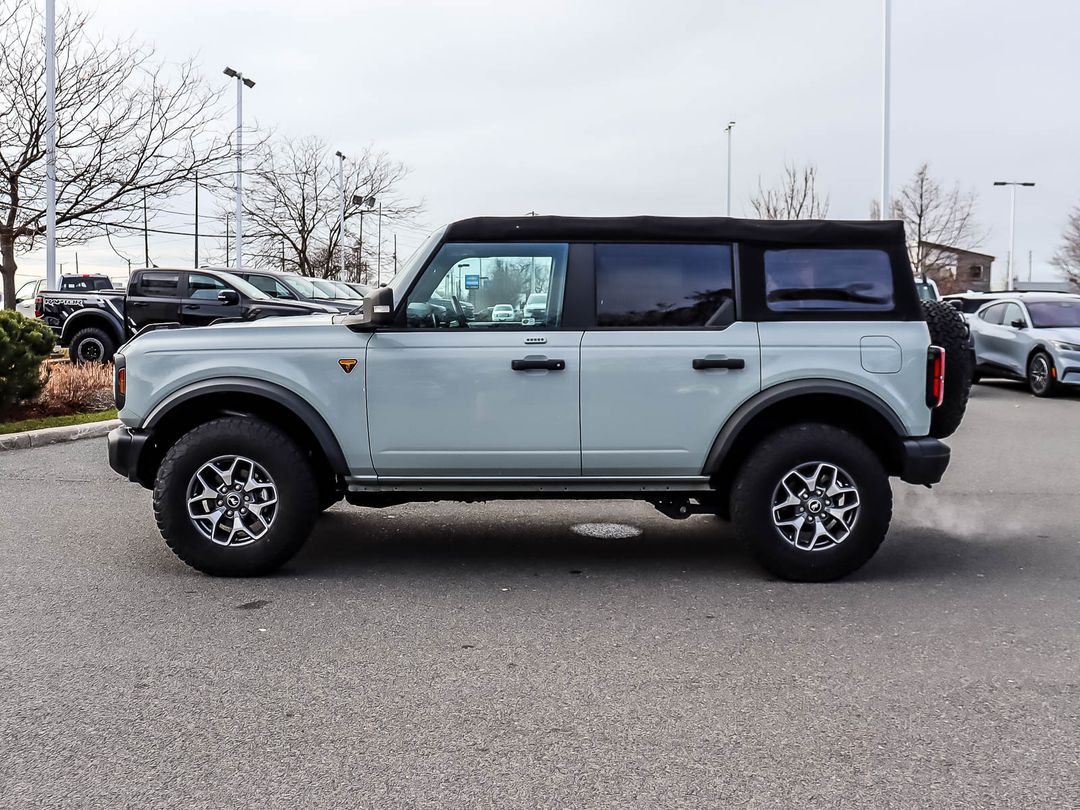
(1018,324)
(376,310)
(229,297)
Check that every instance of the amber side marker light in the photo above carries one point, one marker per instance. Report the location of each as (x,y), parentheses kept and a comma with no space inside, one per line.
(347,365)
(121,381)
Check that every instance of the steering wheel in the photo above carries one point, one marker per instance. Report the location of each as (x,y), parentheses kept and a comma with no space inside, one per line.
(459,312)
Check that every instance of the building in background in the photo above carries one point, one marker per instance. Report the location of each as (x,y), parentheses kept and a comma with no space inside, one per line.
(958,270)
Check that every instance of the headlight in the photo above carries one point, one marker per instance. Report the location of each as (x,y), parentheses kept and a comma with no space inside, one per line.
(1067,347)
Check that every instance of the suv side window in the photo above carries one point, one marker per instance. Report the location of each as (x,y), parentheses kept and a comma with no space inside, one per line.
(1012,312)
(159,285)
(661,285)
(204,288)
(803,279)
(487,286)
(993,314)
(269,285)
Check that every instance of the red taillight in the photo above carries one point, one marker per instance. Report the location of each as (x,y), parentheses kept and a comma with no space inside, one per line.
(935,376)
(39,307)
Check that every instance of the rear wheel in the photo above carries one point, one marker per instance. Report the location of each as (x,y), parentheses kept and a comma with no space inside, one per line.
(235,497)
(1040,375)
(813,501)
(91,345)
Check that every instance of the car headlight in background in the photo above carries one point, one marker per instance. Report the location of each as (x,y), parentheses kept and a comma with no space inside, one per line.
(1067,347)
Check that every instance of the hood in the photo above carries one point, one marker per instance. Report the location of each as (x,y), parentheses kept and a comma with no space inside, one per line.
(1070,334)
(293,307)
(336,304)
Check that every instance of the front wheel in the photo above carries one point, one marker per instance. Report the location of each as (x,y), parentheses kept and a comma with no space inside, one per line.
(813,501)
(235,497)
(91,345)
(1040,375)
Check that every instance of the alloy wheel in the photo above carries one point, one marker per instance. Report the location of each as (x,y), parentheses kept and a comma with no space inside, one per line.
(815,506)
(232,501)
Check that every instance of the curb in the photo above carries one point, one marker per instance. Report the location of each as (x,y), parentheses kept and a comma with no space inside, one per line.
(39,438)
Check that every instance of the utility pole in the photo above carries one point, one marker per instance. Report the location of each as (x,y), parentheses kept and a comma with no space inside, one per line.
(378,268)
(76,262)
(886,46)
(1029,267)
(227,238)
(395,254)
(341,209)
(1010,281)
(240,83)
(727,129)
(50,144)
(145,231)
(196,220)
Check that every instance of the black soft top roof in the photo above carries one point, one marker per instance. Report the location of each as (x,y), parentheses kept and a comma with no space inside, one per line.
(677,229)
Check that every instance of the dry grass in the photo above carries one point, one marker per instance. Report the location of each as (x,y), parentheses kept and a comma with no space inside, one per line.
(74,389)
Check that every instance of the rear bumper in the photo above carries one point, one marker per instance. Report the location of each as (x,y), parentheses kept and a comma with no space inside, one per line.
(923,460)
(125,448)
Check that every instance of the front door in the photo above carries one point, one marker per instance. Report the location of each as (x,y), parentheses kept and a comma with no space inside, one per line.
(997,341)
(154,297)
(667,363)
(455,391)
(200,305)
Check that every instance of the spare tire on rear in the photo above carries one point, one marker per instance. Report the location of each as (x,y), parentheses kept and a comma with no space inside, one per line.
(949,331)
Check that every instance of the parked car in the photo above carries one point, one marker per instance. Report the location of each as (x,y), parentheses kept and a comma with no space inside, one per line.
(1033,337)
(363,289)
(295,287)
(502,312)
(535,308)
(927,289)
(85,282)
(92,325)
(783,396)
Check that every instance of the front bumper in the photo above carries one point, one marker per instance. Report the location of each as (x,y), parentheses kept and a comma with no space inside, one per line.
(923,460)
(125,448)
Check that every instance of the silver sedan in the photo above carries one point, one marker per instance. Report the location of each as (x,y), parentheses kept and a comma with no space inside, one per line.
(1029,337)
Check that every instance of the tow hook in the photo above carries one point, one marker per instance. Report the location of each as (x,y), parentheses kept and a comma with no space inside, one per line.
(680,508)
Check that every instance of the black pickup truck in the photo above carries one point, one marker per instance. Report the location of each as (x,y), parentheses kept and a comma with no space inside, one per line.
(92,325)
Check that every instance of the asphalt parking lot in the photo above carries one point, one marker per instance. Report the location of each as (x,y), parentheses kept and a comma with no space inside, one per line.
(453,656)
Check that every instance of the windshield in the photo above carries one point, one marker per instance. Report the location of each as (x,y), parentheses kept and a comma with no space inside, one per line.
(245,287)
(418,257)
(1054,314)
(338,289)
(301,286)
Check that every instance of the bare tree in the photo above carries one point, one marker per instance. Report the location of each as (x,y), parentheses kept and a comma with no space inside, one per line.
(292,203)
(1067,258)
(934,215)
(793,197)
(125,126)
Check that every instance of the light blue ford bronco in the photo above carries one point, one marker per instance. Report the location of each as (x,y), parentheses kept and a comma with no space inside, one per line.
(772,373)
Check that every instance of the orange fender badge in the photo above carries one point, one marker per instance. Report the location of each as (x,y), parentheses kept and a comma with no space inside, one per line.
(347,365)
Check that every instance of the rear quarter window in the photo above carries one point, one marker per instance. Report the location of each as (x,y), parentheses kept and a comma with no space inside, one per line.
(825,279)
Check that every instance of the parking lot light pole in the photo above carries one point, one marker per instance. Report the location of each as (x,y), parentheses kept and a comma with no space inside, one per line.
(240,83)
(886,67)
(1009,283)
(341,209)
(727,129)
(50,145)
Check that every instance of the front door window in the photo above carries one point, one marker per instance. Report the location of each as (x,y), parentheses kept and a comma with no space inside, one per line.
(490,286)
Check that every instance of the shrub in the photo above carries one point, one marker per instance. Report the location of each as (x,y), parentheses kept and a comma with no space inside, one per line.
(24,343)
(85,387)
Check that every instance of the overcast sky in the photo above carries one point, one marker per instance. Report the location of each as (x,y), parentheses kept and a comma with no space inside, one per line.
(610,107)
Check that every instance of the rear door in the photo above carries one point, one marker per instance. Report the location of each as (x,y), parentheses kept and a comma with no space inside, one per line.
(200,305)
(454,393)
(153,297)
(667,362)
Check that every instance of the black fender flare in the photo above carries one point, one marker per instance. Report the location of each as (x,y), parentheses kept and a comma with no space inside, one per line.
(91,317)
(778,393)
(272,391)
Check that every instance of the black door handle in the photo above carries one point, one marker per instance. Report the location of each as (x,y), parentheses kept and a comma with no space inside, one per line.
(192,306)
(542,363)
(701,363)
(139,303)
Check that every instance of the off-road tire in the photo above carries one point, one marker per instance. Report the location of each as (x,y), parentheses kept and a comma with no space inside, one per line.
(761,473)
(91,345)
(949,331)
(278,454)
(1047,387)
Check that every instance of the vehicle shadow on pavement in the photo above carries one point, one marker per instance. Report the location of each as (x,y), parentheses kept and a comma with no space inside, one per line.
(351,543)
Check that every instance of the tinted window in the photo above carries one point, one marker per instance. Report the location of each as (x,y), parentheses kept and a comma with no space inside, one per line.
(1047,314)
(1012,313)
(664,285)
(270,285)
(82,283)
(205,288)
(993,314)
(825,279)
(159,285)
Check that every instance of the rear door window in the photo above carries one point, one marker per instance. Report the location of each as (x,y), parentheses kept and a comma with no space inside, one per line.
(656,285)
(824,279)
(159,285)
